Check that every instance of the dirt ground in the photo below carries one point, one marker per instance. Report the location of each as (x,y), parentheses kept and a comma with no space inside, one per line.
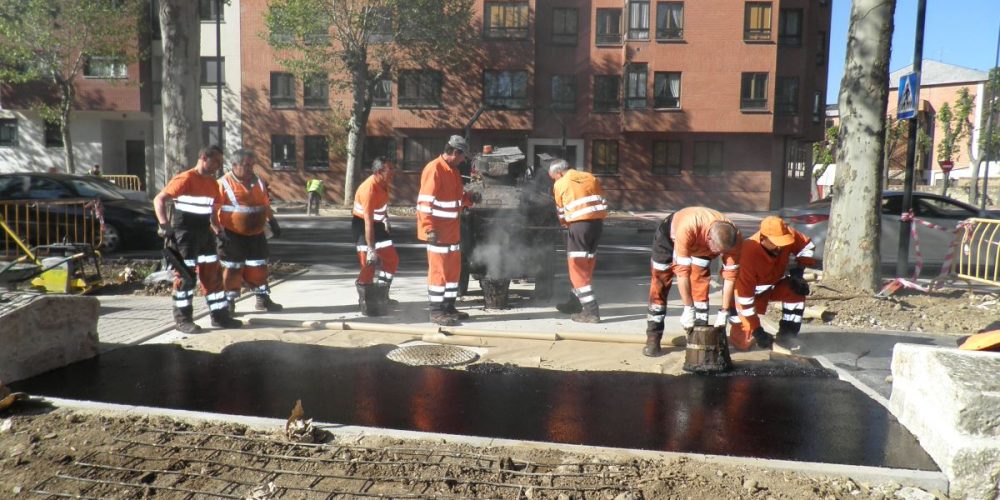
(125,276)
(110,455)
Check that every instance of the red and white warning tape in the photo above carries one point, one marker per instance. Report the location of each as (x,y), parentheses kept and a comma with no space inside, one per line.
(949,257)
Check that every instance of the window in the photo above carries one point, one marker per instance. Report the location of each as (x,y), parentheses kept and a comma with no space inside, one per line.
(53,135)
(419,151)
(212,133)
(670,21)
(505,20)
(820,48)
(8,132)
(283,152)
(635,86)
(213,70)
(638,20)
(707,158)
(211,10)
(817,107)
(609,27)
(667,157)
(606,93)
(564,93)
(666,90)
(753,91)
(419,89)
(505,89)
(282,90)
(605,157)
(757,22)
(382,94)
(105,67)
(790,27)
(786,95)
(381,25)
(316,92)
(317,153)
(565,26)
(379,146)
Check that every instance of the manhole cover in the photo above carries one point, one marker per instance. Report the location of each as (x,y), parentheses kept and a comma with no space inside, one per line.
(432,355)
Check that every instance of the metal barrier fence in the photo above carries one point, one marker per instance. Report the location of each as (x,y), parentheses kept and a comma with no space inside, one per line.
(49,222)
(128,182)
(979,257)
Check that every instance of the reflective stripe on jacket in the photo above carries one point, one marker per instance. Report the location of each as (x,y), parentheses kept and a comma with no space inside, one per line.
(372,196)
(195,196)
(440,202)
(579,197)
(245,210)
(760,270)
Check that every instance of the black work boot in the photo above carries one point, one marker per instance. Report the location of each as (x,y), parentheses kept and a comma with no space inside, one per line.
(222,319)
(441,317)
(264,303)
(449,308)
(654,334)
(368,307)
(590,313)
(571,306)
(183,321)
(786,336)
(764,340)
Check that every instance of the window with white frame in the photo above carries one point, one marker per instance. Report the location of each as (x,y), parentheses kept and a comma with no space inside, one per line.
(505,89)
(667,90)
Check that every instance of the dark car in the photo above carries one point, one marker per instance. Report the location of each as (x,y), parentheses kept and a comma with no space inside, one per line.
(128,224)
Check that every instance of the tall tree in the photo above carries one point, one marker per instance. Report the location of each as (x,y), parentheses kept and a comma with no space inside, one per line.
(852,245)
(359,45)
(53,42)
(989,147)
(952,129)
(180,29)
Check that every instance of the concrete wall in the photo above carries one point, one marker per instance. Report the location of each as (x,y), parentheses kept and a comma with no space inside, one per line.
(44,332)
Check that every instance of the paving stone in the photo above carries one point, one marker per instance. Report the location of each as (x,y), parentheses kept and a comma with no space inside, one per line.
(42,332)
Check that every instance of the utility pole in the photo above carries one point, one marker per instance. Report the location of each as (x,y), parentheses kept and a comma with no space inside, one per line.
(903,257)
(989,134)
(220,71)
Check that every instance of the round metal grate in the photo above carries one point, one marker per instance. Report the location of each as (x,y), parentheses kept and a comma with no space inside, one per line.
(432,355)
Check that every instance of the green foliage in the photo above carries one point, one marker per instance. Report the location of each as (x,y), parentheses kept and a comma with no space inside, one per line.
(825,152)
(991,143)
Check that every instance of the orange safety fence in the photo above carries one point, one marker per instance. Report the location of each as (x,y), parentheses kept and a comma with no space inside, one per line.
(979,256)
(37,223)
(127,182)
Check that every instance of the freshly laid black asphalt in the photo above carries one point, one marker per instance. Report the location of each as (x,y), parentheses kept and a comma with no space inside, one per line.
(797,417)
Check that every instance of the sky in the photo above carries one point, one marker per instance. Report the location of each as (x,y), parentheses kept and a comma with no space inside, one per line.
(960,32)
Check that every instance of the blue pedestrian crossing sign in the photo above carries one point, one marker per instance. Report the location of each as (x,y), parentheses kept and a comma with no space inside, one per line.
(909,96)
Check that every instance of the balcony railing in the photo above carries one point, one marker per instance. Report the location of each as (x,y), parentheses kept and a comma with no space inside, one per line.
(609,39)
(757,35)
(669,34)
(754,104)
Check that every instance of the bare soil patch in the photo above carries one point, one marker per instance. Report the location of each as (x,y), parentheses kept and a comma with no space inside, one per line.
(125,276)
(115,455)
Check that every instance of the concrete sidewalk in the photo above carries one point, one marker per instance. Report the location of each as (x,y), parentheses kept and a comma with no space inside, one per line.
(327,293)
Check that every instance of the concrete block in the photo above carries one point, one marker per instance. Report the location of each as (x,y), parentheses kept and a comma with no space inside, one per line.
(41,332)
(950,400)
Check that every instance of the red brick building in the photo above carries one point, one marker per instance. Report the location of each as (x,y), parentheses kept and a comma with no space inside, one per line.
(672,103)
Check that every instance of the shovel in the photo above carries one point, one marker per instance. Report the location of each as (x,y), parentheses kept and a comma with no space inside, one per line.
(176,261)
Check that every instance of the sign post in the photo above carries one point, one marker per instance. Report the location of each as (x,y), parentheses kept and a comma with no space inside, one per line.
(909,101)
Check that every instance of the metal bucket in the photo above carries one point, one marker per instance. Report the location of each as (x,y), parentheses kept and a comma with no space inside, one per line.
(495,292)
(707,350)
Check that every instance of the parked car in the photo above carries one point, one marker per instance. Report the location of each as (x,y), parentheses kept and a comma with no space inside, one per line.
(812,220)
(127,223)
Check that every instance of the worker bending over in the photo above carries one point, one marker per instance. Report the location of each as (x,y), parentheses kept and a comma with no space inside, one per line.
(582,208)
(764,262)
(684,245)
(370,226)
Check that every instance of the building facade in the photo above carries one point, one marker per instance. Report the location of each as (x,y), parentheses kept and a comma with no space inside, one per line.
(671,103)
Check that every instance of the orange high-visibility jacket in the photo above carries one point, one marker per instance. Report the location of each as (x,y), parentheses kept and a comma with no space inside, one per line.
(193,194)
(372,197)
(579,197)
(440,201)
(689,232)
(760,270)
(244,210)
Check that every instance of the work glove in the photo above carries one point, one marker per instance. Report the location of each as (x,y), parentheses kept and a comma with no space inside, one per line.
(721,319)
(165,231)
(475,196)
(797,272)
(687,317)
(764,339)
(371,258)
(432,237)
(798,285)
(275,228)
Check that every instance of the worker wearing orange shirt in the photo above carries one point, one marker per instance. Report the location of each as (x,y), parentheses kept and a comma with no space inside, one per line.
(582,208)
(196,198)
(439,205)
(684,246)
(765,277)
(243,253)
(370,226)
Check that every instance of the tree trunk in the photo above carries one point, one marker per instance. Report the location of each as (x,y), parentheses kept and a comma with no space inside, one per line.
(65,110)
(853,238)
(356,126)
(181,34)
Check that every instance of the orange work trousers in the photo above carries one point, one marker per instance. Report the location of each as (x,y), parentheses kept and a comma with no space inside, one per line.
(444,267)
(793,305)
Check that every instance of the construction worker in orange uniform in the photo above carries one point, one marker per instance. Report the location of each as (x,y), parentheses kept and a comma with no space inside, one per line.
(582,208)
(439,204)
(765,277)
(243,253)
(196,199)
(370,226)
(684,245)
